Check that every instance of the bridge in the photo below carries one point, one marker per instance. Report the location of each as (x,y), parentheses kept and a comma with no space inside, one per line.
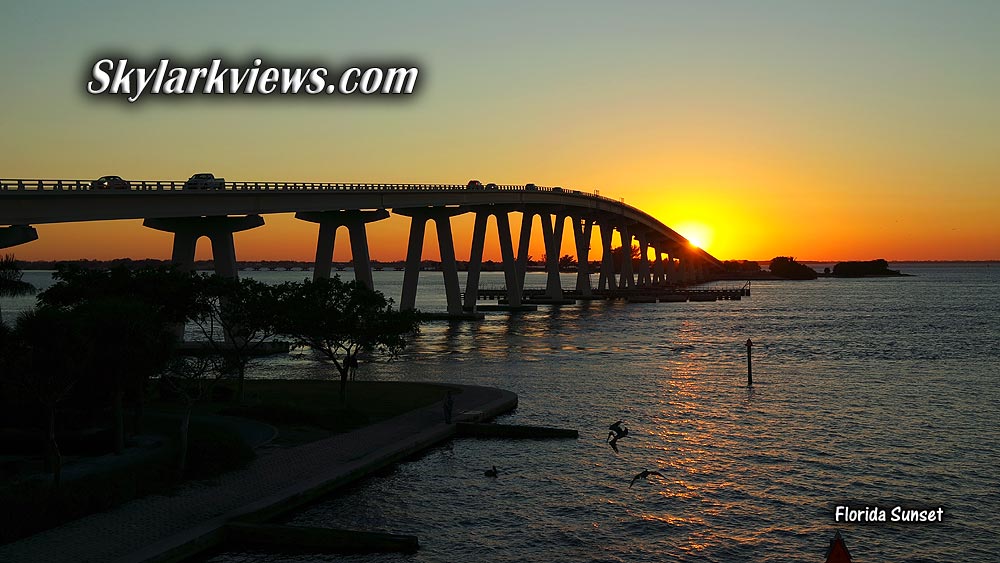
(218,213)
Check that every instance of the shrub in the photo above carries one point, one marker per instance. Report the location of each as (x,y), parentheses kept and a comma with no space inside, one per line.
(215,448)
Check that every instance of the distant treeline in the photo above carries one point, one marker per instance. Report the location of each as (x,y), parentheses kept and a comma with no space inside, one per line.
(741,266)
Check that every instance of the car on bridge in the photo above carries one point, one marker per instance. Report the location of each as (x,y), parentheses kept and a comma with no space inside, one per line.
(557,189)
(110,183)
(491,186)
(531,187)
(205,181)
(474,185)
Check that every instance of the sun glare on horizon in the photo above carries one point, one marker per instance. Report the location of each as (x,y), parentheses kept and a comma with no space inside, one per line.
(698,234)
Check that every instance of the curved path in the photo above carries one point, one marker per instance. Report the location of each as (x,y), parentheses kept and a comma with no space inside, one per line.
(169,528)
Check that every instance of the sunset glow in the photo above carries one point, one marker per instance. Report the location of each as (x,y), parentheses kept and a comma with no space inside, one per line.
(808,144)
(698,234)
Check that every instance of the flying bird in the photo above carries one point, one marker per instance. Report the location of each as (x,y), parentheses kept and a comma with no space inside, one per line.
(645,473)
(617,432)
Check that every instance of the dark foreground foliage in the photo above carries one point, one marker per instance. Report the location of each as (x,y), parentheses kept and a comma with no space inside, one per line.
(78,372)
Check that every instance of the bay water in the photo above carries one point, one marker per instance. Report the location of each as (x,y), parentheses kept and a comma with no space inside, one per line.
(877,392)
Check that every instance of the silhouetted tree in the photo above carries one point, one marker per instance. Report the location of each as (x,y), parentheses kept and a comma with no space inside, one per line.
(340,319)
(40,358)
(11,284)
(616,256)
(125,344)
(238,316)
(170,295)
(193,379)
(741,266)
(788,268)
(565,262)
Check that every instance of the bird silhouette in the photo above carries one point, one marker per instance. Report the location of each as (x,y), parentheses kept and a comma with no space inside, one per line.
(491,472)
(616,429)
(617,432)
(645,473)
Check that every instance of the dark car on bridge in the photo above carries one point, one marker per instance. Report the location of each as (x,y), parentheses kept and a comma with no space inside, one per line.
(531,187)
(474,185)
(491,186)
(110,183)
(205,181)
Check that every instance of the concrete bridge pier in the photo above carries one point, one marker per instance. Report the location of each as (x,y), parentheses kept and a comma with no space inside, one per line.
(523,240)
(187,231)
(659,273)
(354,221)
(683,269)
(627,280)
(510,271)
(17,234)
(606,280)
(698,271)
(446,245)
(476,262)
(643,276)
(553,242)
(691,265)
(582,229)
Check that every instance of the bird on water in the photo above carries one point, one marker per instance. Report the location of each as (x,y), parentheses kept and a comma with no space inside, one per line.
(645,473)
(491,472)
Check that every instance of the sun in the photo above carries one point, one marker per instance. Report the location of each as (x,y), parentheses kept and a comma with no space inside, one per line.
(698,234)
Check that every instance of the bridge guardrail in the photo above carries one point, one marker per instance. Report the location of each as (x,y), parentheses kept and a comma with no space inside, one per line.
(77,185)
(60,185)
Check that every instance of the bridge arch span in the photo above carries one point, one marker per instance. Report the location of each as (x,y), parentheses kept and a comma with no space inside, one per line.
(166,205)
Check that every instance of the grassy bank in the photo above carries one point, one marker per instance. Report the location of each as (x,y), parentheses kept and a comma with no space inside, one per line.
(306,410)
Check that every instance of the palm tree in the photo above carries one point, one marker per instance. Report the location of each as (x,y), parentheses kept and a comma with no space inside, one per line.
(11,284)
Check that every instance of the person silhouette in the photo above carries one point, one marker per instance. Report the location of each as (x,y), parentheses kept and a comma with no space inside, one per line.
(449,405)
(617,432)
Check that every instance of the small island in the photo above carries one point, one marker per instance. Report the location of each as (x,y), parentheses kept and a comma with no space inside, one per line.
(861,269)
(786,267)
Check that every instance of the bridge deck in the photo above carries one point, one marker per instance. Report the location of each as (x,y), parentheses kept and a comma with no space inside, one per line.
(39,201)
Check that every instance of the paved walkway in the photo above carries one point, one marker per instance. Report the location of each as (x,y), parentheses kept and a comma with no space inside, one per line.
(163,528)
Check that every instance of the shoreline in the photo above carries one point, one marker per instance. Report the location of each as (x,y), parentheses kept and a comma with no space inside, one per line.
(164,528)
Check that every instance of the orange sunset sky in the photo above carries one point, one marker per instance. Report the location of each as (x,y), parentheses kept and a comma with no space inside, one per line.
(822,131)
